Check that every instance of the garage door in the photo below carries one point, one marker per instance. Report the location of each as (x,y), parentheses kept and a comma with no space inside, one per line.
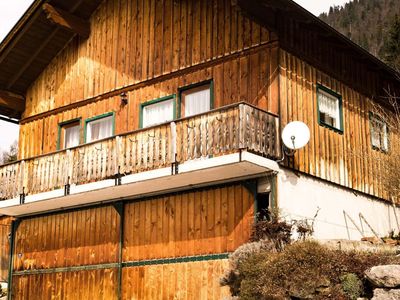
(172,246)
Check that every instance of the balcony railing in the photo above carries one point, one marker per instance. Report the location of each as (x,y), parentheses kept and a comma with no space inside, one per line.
(218,132)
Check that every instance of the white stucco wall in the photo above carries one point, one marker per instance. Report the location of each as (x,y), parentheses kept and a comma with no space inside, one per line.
(299,197)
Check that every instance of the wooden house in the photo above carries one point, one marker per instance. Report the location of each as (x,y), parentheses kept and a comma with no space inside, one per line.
(150,138)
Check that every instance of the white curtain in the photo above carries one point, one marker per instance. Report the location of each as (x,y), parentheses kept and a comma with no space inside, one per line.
(158,113)
(196,102)
(329,109)
(71,136)
(99,129)
(379,134)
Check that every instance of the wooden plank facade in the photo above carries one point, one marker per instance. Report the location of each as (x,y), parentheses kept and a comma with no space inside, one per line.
(168,246)
(150,48)
(173,245)
(153,49)
(348,158)
(5,229)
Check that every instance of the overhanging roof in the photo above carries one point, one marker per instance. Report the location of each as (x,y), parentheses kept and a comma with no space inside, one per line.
(33,43)
(296,28)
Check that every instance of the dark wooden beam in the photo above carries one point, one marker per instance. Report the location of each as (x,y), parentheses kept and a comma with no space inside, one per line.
(9,120)
(12,101)
(31,59)
(67,20)
(19,30)
(39,50)
(262,14)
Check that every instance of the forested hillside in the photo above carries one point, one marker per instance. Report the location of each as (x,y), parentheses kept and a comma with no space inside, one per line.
(373,24)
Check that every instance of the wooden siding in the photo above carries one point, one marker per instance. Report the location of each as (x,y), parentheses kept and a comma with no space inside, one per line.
(173,245)
(82,237)
(5,230)
(250,76)
(193,280)
(188,224)
(93,284)
(134,41)
(329,55)
(346,159)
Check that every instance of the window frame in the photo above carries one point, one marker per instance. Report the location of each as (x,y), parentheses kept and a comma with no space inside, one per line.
(102,116)
(155,101)
(64,123)
(324,89)
(192,86)
(379,119)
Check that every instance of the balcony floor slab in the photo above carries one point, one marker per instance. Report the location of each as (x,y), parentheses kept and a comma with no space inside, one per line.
(226,168)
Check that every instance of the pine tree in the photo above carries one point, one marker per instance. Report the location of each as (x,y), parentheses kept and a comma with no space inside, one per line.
(366,22)
(391,46)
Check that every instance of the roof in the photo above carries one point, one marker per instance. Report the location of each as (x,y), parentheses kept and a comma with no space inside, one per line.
(35,41)
(301,32)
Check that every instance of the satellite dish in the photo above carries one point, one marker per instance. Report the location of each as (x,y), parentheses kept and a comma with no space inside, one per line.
(295,135)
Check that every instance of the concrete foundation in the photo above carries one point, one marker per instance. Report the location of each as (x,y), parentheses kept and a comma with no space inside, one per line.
(339,209)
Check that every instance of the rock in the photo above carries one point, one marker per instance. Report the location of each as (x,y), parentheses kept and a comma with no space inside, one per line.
(372,240)
(351,246)
(389,241)
(384,276)
(386,294)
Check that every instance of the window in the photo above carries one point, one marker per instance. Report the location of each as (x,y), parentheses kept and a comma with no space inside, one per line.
(157,111)
(196,99)
(68,134)
(263,212)
(379,133)
(99,127)
(330,109)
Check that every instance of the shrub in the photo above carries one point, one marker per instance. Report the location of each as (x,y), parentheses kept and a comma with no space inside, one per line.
(303,270)
(279,232)
(232,276)
(352,286)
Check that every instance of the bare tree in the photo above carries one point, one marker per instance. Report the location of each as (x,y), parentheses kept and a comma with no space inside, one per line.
(10,155)
(387,129)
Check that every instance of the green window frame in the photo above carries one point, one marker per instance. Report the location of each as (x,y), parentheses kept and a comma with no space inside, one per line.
(64,123)
(87,121)
(155,101)
(192,86)
(373,117)
(323,89)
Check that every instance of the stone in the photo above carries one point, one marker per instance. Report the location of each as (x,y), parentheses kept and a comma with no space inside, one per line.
(372,240)
(358,246)
(387,276)
(386,294)
(392,242)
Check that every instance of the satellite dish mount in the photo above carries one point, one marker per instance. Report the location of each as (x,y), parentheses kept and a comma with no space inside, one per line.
(295,136)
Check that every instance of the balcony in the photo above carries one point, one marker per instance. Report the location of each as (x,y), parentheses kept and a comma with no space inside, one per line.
(228,143)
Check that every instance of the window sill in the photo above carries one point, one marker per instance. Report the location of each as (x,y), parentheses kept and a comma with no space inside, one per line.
(337,130)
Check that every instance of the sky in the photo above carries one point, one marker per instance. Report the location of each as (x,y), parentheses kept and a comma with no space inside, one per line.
(12,10)
(319,6)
